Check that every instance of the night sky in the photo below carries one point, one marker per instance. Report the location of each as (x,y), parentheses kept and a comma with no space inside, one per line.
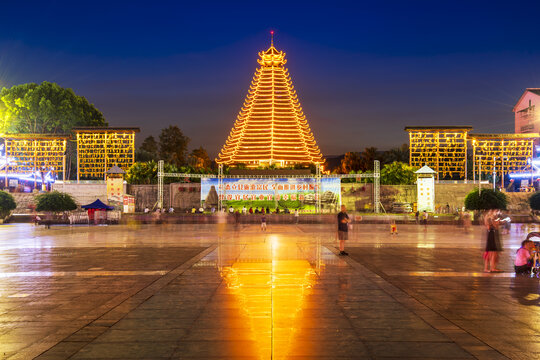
(362,70)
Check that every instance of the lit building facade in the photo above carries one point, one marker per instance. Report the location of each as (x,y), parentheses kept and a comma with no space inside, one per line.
(442,148)
(98,149)
(271,128)
(445,149)
(502,153)
(32,153)
(527,118)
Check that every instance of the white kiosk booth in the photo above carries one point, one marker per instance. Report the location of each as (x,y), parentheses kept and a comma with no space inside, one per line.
(425,183)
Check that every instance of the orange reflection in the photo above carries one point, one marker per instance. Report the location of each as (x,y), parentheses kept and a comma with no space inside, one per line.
(271,288)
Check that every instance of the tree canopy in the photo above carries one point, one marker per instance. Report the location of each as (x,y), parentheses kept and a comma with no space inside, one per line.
(45,108)
(146,173)
(351,162)
(173,146)
(7,203)
(199,158)
(150,145)
(486,200)
(400,154)
(55,202)
(148,150)
(534,201)
(397,173)
(355,161)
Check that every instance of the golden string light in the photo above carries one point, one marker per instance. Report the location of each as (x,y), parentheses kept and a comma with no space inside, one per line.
(444,149)
(505,152)
(35,152)
(99,149)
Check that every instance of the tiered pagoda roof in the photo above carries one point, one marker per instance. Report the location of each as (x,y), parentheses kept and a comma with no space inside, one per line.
(271,128)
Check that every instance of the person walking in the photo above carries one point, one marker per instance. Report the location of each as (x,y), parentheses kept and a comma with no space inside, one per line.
(343,229)
(263,223)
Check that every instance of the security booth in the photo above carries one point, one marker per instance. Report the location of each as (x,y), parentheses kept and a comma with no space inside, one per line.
(425,183)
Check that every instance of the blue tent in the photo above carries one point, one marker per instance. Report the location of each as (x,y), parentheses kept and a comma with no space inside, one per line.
(97,205)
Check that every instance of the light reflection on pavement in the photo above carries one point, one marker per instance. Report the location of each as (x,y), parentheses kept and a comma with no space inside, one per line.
(142,291)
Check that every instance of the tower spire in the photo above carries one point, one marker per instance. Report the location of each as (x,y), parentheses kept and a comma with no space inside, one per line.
(271,38)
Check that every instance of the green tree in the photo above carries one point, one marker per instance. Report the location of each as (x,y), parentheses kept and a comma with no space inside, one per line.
(369,155)
(400,154)
(199,158)
(534,201)
(150,145)
(7,203)
(351,162)
(55,202)
(45,108)
(173,146)
(146,173)
(486,200)
(148,150)
(397,173)
(142,173)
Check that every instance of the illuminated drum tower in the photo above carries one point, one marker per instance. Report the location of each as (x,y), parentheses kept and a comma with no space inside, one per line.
(271,128)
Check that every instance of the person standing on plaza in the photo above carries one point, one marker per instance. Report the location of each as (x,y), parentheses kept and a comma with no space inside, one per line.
(343,229)
(417,217)
(425,219)
(492,249)
(263,223)
(236,220)
(296,215)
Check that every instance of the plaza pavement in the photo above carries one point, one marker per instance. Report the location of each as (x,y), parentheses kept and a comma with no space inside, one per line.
(216,292)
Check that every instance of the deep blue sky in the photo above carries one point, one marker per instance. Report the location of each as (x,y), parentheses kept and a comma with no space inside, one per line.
(362,70)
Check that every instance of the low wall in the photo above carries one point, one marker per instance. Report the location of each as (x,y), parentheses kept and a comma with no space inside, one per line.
(359,197)
(181,196)
(84,193)
(518,202)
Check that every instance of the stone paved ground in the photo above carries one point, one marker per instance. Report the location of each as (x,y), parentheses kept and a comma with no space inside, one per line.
(207,292)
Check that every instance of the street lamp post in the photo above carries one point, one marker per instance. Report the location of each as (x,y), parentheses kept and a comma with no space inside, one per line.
(502,170)
(494,171)
(531,162)
(479,175)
